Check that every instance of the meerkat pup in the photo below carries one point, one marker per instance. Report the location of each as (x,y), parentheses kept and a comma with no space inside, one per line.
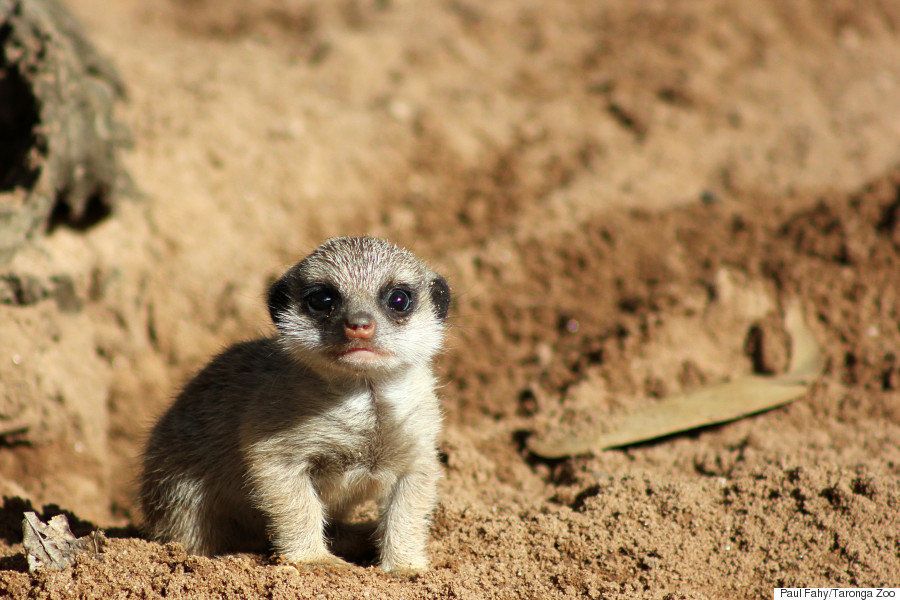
(277,436)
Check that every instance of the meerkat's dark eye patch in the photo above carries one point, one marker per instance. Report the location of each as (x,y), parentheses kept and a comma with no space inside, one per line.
(320,299)
(440,297)
(279,298)
(399,301)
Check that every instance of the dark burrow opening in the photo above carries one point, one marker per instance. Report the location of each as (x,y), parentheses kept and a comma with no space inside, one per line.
(19,117)
(94,211)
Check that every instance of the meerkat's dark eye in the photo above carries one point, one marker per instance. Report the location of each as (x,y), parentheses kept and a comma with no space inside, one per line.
(399,301)
(321,300)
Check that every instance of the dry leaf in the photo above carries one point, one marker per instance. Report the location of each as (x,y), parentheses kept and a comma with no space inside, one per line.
(709,405)
(52,545)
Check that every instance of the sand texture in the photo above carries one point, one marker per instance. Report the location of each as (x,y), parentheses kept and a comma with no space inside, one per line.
(625,196)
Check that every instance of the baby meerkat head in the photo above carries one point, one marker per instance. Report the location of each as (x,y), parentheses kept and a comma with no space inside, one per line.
(360,305)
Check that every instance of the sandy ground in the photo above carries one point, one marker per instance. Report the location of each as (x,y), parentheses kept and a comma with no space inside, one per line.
(619,193)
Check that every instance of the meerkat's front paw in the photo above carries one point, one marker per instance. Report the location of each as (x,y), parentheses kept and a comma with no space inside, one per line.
(405,572)
(325,560)
(405,567)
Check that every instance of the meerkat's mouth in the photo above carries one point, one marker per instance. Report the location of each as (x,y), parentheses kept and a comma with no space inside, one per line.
(362,352)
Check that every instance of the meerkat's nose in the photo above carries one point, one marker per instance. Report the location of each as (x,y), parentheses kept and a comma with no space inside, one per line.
(359,326)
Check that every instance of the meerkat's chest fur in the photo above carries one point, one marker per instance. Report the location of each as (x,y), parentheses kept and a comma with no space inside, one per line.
(365,450)
(366,433)
(365,428)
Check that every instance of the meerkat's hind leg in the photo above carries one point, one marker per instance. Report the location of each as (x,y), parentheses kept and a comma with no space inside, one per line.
(181,511)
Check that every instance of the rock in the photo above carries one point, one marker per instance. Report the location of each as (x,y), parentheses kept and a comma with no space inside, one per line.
(59,143)
(768,345)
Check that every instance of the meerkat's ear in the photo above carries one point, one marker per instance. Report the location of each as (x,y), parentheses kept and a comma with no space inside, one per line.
(279,298)
(440,296)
